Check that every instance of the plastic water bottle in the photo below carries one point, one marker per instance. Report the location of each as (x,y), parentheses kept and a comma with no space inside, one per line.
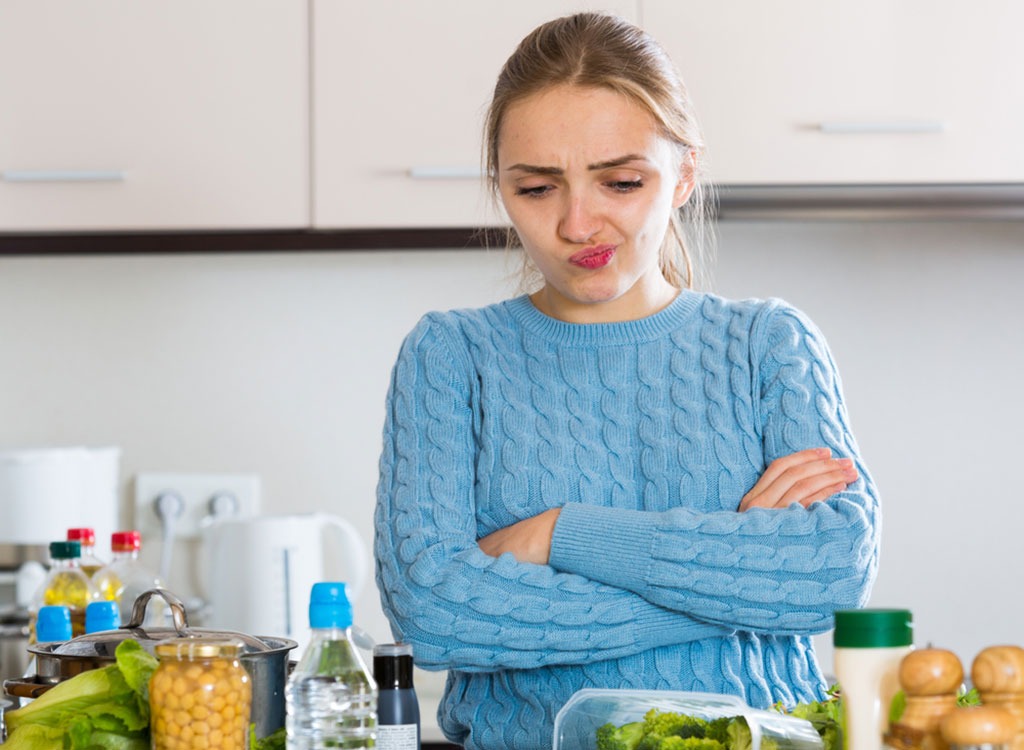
(331,697)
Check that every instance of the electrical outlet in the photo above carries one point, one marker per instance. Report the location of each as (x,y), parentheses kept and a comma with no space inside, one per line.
(196,491)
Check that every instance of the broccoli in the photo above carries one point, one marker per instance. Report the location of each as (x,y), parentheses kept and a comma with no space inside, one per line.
(626,737)
(690,743)
(825,716)
(716,729)
(661,724)
(665,730)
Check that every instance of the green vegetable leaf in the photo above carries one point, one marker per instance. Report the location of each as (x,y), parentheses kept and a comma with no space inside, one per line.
(100,709)
(35,737)
(897,706)
(970,698)
(273,741)
(136,665)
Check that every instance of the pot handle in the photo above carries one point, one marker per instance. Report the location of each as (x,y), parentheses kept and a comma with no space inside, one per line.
(353,551)
(178,614)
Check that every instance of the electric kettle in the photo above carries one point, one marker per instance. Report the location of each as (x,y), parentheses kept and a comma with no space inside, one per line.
(256,573)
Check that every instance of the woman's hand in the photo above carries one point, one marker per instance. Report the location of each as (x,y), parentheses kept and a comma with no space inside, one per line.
(805,477)
(528,540)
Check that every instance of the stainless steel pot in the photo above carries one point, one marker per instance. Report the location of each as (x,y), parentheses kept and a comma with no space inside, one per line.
(266,659)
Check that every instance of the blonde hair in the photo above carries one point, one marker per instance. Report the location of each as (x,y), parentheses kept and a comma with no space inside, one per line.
(605,51)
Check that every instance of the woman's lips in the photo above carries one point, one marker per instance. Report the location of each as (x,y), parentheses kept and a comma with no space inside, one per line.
(593,257)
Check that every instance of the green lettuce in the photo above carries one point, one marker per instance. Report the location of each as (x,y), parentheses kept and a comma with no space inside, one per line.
(101,709)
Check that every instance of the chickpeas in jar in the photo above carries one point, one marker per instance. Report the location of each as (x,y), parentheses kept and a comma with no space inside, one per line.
(200,696)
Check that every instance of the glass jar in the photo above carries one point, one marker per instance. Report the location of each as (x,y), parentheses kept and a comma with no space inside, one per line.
(200,696)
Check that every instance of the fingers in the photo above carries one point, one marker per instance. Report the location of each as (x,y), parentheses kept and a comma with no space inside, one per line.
(780,465)
(805,477)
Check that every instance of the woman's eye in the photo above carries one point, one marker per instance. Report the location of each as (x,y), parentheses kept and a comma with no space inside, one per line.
(533,192)
(625,186)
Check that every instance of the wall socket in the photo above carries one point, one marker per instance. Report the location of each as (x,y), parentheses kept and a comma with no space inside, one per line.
(196,491)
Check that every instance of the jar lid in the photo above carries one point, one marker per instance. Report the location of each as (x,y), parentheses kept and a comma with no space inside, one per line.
(199,648)
(873,628)
(65,550)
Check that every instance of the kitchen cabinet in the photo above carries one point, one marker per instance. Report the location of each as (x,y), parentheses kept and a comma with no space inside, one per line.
(399,96)
(851,91)
(139,114)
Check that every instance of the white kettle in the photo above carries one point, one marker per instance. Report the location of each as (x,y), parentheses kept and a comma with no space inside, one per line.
(257,572)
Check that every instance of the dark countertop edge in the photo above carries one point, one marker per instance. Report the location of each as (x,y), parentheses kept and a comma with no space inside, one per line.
(246,241)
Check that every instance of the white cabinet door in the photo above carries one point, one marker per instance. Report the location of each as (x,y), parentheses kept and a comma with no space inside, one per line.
(852,91)
(400,91)
(145,114)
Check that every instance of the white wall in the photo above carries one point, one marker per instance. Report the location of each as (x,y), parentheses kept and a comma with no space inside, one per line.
(277,364)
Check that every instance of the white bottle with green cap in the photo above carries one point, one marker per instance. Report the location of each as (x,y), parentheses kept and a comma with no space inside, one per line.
(869,646)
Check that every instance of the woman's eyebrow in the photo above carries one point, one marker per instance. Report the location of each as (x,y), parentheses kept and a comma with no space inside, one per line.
(617,162)
(532,169)
(609,164)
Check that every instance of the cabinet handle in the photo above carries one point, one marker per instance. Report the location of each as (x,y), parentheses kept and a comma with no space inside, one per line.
(884,127)
(62,175)
(445,173)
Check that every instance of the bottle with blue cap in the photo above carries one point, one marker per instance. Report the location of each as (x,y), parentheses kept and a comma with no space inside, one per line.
(100,616)
(331,696)
(53,626)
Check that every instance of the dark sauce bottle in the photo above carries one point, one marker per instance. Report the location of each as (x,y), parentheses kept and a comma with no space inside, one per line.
(398,710)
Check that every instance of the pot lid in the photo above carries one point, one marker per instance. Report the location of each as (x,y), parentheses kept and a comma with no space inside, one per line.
(102,644)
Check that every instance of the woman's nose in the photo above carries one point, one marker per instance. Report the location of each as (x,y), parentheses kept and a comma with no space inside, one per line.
(579,221)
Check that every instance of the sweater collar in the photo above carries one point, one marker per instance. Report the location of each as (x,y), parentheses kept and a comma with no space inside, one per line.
(604,334)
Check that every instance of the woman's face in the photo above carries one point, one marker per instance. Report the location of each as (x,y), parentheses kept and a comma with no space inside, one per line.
(589,185)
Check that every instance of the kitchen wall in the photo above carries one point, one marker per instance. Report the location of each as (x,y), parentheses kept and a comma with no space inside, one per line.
(277,364)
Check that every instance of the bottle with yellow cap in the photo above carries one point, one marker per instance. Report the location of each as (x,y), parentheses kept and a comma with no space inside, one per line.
(200,696)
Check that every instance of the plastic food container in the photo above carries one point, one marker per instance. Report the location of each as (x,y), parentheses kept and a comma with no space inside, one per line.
(577,722)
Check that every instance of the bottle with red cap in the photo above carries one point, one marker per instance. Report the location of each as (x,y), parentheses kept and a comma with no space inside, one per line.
(126,577)
(87,538)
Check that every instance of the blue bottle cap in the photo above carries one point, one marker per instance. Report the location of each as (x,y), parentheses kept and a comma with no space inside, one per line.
(329,606)
(53,623)
(102,616)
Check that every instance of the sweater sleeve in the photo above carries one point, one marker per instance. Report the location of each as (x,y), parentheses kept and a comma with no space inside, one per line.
(781,571)
(461,608)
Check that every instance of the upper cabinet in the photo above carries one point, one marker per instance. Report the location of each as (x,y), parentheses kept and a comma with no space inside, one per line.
(335,114)
(140,114)
(400,92)
(851,91)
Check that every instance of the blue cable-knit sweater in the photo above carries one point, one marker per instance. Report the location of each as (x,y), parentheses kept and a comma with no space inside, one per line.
(646,434)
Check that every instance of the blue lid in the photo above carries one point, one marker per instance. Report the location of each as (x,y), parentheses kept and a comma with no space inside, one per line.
(102,616)
(53,623)
(329,606)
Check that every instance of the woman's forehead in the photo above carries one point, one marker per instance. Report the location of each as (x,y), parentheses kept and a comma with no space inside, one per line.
(574,124)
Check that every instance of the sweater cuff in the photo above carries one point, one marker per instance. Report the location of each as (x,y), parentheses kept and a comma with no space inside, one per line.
(609,545)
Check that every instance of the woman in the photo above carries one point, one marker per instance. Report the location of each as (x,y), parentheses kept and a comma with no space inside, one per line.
(614,481)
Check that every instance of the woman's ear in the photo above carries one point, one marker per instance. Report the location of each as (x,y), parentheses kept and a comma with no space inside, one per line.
(687,178)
